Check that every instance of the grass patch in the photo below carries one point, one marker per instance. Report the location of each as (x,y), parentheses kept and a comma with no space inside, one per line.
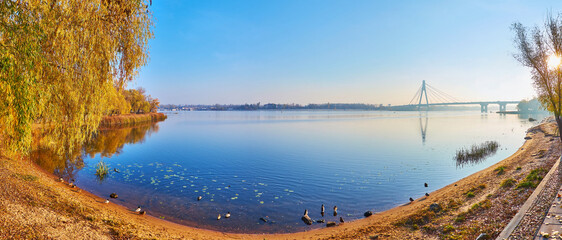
(533,179)
(481,205)
(448,228)
(27,177)
(507,183)
(500,170)
(469,194)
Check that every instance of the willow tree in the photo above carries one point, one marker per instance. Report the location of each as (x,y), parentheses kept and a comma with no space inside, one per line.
(540,49)
(61,61)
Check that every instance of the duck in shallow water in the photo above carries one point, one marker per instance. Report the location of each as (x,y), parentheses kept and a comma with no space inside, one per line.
(199,198)
(227,215)
(138,209)
(306,219)
(427,194)
(411,199)
(219,217)
(106,201)
(341,220)
(322,210)
(335,210)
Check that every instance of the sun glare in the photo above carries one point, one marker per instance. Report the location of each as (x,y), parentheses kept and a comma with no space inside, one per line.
(554,61)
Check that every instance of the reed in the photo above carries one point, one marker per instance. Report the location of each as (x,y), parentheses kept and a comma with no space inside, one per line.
(476,153)
(131,119)
(101,170)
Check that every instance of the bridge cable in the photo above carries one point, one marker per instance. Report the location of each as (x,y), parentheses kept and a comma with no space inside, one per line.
(443,96)
(438,98)
(416,95)
(447,96)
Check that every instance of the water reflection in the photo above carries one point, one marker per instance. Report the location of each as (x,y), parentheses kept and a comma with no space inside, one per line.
(423,126)
(106,142)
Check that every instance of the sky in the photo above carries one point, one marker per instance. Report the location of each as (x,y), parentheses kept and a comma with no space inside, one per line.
(320,51)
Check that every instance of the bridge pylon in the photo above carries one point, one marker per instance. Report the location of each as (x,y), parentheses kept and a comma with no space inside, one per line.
(423,92)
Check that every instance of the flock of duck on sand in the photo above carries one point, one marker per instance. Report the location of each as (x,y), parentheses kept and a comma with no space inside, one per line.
(305,218)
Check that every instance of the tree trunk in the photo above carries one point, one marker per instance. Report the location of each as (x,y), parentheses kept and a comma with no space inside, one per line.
(559,123)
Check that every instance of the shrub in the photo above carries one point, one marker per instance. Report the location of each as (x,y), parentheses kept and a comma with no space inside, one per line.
(469,194)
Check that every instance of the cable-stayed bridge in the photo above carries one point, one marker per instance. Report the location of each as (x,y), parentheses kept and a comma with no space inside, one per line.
(428,96)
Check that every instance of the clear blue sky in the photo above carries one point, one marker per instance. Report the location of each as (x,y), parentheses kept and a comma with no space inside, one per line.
(305,51)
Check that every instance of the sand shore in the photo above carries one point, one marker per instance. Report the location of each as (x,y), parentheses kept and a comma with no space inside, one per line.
(34,204)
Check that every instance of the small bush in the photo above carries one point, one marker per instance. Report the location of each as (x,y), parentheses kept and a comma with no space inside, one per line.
(469,194)
(507,183)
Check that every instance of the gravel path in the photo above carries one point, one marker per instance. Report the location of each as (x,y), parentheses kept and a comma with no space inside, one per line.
(534,219)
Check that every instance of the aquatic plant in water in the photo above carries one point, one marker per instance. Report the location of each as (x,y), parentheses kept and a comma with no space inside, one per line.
(101,170)
(476,153)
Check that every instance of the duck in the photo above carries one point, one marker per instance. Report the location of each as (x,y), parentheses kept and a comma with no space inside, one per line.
(142,212)
(411,199)
(321,221)
(306,219)
(199,198)
(106,201)
(368,214)
(322,209)
(227,215)
(335,210)
(425,185)
(138,209)
(264,219)
(219,217)
(341,220)
(330,224)
(427,194)
(61,180)
(116,170)
(113,195)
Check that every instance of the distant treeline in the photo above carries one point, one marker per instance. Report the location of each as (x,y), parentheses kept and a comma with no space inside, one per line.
(273,106)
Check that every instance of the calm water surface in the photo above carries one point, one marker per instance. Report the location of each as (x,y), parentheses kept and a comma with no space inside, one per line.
(276,164)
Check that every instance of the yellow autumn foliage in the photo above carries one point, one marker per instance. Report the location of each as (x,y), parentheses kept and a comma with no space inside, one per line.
(63,63)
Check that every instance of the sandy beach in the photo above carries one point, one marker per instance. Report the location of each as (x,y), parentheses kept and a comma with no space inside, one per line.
(34,204)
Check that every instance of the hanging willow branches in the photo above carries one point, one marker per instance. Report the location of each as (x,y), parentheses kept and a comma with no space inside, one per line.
(63,63)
